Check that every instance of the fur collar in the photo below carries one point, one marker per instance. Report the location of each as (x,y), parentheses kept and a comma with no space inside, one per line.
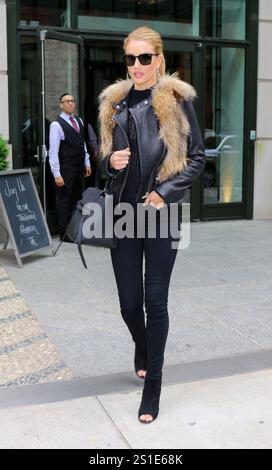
(167,94)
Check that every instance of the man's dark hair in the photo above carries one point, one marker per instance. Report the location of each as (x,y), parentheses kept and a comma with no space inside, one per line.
(62,96)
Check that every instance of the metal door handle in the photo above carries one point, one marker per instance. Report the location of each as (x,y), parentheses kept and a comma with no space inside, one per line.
(37,156)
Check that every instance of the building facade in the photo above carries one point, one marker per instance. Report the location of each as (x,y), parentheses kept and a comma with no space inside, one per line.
(4,115)
(52,47)
(263,150)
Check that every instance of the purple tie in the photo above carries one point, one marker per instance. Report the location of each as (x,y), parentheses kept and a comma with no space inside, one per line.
(73,121)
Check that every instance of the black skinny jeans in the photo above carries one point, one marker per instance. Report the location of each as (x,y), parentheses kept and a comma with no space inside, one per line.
(127,260)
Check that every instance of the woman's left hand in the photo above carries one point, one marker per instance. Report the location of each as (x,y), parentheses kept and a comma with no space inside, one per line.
(154,199)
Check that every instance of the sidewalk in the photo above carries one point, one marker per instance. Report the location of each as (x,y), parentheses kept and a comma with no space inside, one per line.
(219,301)
(227,413)
(219,306)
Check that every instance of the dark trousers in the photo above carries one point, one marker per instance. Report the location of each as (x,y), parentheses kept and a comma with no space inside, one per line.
(134,291)
(67,196)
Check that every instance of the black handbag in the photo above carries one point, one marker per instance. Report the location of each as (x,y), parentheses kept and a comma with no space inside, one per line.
(91,227)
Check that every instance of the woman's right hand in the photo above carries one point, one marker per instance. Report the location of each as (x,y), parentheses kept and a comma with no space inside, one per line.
(120,158)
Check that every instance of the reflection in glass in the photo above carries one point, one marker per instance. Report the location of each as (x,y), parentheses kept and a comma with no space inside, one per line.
(61,74)
(226,18)
(224,131)
(180,62)
(44,12)
(61,66)
(123,15)
(29,105)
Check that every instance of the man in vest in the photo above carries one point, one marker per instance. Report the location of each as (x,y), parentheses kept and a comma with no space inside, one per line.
(68,158)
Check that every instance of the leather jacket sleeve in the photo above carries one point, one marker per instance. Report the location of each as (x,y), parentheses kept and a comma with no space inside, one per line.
(174,189)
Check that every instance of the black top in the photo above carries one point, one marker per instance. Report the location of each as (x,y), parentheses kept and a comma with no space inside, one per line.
(136,96)
(134,171)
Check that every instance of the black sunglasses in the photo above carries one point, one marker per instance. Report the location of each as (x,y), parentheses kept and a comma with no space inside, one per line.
(144,59)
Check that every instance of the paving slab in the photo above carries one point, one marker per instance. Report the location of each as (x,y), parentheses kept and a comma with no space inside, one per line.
(75,424)
(27,355)
(232,412)
(228,413)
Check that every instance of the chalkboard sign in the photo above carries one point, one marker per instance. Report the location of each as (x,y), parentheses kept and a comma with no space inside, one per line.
(22,213)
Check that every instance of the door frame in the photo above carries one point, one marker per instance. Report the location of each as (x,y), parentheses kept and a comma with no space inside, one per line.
(42,35)
(233,210)
(244,209)
(195,47)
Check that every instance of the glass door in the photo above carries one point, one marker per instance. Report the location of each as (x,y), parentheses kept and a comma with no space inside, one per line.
(224,132)
(186,58)
(61,61)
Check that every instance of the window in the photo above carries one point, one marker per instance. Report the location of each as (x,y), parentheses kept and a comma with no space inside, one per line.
(44,12)
(226,18)
(181,18)
(224,133)
(29,105)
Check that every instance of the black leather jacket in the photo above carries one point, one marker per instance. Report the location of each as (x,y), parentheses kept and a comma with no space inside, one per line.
(147,130)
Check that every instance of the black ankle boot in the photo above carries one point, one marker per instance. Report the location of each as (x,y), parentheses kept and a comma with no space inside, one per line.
(140,358)
(150,398)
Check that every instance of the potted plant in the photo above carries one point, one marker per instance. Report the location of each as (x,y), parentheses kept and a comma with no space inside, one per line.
(4,150)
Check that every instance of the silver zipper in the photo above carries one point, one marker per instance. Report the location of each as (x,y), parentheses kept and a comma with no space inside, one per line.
(126,175)
(155,169)
(138,145)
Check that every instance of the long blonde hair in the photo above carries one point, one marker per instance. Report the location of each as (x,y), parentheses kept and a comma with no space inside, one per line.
(144,33)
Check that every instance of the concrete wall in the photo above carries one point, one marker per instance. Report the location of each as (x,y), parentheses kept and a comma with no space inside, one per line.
(263,154)
(4,115)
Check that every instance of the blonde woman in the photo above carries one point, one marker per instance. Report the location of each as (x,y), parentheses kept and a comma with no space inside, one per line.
(152,151)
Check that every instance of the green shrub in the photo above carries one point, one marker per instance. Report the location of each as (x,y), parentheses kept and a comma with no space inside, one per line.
(4,150)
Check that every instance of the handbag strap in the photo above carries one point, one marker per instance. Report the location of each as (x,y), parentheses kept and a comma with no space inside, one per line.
(81,255)
(108,185)
(62,240)
(55,252)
